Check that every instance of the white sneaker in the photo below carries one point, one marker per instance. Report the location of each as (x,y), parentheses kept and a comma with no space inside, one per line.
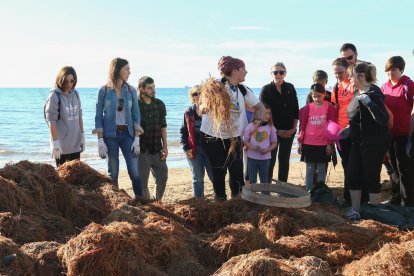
(352,214)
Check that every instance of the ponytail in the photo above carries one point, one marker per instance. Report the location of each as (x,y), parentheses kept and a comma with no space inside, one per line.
(368,69)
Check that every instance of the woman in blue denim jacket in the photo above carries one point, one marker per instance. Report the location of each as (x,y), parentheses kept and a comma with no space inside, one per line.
(117,123)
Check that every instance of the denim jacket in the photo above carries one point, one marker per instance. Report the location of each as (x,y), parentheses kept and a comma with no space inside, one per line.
(106,105)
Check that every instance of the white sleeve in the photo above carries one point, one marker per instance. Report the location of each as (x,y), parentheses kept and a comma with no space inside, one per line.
(250,99)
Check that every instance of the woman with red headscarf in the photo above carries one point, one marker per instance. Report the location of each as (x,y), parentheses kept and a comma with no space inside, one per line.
(216,143)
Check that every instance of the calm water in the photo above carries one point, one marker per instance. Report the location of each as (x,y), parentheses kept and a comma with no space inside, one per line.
(25,135)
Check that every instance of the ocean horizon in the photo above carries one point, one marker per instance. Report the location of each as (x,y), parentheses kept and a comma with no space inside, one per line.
(25,135)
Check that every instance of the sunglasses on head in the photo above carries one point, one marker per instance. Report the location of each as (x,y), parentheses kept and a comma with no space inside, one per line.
(281,72)
(195,94)
(120,104)
(350,57)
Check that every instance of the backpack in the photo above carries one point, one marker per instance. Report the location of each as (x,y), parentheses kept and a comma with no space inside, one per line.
(322,194)
(406,93)
(336,87)
(58,96)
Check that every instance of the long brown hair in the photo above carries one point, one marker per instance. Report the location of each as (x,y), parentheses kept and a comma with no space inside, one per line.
(114,71)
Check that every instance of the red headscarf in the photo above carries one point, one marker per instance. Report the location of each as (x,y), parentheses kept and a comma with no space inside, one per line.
(227,64)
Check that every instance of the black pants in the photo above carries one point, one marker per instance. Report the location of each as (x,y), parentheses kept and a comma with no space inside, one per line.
(344,153)
(364,167)
(284,147)
(67,157)
(217,151)
(403,177)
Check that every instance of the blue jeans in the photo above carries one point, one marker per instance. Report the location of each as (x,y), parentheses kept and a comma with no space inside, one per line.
(124,142)
(258,166)
(197,166)
(320,167)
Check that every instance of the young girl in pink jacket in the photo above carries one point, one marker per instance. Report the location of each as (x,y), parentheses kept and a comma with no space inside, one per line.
(314,147)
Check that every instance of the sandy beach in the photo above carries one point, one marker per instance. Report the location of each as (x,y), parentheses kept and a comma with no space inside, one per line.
(179,185)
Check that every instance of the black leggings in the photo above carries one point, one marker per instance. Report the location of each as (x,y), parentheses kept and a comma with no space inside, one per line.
(364,167)
(217,151)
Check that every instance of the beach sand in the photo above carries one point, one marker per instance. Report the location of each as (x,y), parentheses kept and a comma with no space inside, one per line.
(179,186)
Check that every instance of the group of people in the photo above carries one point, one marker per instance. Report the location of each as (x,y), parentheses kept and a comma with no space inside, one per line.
(376,125)
(135,124)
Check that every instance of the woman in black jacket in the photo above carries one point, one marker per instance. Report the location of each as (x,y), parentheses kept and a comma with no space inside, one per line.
(370,136)
(283,101)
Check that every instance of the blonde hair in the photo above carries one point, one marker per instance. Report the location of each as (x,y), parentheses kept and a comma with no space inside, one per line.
(256,115)
(194,89)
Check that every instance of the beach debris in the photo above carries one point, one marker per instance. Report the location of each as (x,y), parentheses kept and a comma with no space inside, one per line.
(215,100)
(127,213)
(12,260)
(74,221)
(44,256)
(266,262)
(236,239)
(391,259)
(121,248)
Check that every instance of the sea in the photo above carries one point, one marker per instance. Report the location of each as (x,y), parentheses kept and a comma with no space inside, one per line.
(24,134)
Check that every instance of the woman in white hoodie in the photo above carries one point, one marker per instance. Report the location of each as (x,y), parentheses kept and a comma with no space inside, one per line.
(64,116)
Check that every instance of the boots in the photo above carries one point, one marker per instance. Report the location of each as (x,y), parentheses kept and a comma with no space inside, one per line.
(375,199)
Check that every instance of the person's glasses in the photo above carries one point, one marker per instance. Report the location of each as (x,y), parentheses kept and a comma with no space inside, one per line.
(120,104)
(350,57)
(281,72)
(69,81)
(195,94)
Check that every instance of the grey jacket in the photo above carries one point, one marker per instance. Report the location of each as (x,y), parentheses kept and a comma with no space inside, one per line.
(68,129)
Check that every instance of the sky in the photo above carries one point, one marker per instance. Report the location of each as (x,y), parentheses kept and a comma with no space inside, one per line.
(179,43)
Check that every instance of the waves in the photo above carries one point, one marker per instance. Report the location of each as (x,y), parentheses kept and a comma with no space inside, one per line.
(24,134)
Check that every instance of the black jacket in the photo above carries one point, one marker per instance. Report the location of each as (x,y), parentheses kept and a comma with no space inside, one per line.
(284,105)
(369,124)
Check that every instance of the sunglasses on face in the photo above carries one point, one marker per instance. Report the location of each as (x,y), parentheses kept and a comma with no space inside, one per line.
(195,94)
(350,57)
(120,104)
(281,72)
